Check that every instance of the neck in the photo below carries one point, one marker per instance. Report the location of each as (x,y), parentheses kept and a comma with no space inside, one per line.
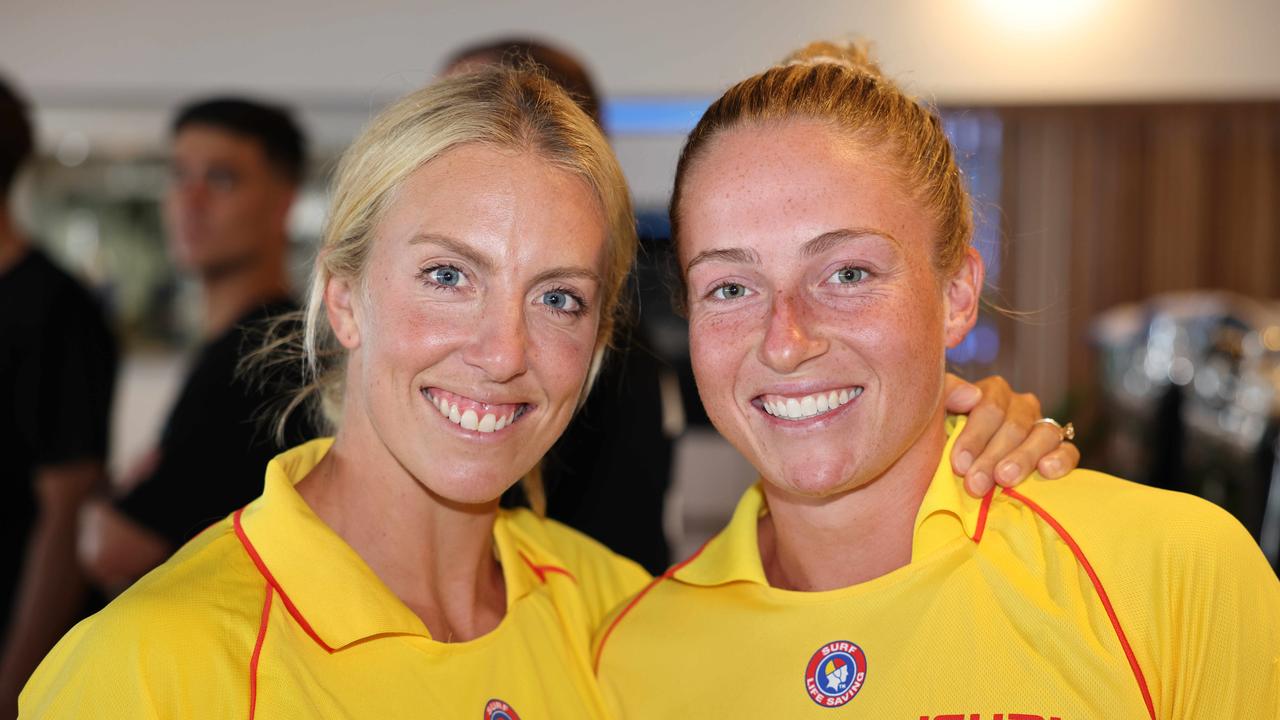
(228,295)
(864,533)
(13,245)
(438,557)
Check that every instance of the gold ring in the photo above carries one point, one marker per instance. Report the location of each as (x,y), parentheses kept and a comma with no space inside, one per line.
(1065,432)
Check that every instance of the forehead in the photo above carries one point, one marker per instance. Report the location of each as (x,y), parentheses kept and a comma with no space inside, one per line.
(789,182)
(198,141)
(512,201)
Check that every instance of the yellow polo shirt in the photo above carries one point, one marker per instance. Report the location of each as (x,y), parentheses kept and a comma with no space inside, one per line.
(1084,597)
(269,614)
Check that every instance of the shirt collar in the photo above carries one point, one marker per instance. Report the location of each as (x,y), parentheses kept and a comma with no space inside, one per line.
(947,512)
(331,592)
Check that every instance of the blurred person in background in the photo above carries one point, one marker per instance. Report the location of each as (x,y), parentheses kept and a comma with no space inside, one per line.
(236,168)
(57,373)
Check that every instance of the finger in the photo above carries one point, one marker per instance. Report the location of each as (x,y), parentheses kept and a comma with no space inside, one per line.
(1022,460)
(1060,462)
(983,423)
(961,394)
(1008,437)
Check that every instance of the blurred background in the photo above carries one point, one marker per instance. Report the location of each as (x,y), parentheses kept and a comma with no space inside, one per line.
(1125,155)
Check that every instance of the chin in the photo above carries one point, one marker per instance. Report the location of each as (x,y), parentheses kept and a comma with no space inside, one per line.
(469,481)
(810,479)
(468,491)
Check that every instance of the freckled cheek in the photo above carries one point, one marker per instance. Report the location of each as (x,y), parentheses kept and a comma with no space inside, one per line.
(718,345)
(903,339)
(411,338)
(561,357)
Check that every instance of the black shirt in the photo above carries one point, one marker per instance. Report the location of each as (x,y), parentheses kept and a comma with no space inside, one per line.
(608,474)
(218,438)
(57,373)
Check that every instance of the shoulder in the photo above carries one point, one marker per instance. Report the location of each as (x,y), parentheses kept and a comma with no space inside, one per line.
(1124,519)
(57,294)
(194,617)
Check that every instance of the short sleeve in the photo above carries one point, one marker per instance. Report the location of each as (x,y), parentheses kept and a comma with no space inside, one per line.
(85,670)
(77,367)
(1224,607)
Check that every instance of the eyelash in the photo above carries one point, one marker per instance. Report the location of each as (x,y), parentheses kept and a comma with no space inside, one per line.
(425,275)
(712,293)
(581,301)
(865,275)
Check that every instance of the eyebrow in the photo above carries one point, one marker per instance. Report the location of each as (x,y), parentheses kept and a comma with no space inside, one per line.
(741,256)
(831,239)
(568,273)
(811,248)
(469,254)
(454,246)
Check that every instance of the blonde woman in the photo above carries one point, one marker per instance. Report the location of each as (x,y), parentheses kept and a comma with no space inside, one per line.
(478,239)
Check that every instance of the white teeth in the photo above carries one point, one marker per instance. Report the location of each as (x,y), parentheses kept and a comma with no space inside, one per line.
(810,405)
(793,408)
(470,419)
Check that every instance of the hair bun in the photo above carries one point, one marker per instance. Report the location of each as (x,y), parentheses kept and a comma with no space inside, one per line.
(855,55)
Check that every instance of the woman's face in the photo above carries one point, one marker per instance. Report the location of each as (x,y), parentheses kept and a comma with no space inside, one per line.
(472,332)
(818,324)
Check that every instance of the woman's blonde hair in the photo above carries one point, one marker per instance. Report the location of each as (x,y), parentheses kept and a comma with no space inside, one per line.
(840,84)
(509,108)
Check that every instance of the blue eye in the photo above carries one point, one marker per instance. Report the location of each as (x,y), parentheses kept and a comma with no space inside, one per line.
(445,275)
(730,291)
(848,276)
(561,300)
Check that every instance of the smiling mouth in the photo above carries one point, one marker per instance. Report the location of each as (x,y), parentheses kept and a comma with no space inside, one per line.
(808,406)
(473,414)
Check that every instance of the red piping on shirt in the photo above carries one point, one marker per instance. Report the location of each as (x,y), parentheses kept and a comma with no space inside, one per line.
(982,515)
(652,584)
(257,652)
(284,597)
(542,570)
(1102,594)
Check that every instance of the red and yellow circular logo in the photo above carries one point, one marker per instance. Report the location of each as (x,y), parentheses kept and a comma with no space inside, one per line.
(836,673)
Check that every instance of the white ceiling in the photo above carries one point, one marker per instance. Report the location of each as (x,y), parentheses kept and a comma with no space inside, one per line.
(346,52)
(114,70)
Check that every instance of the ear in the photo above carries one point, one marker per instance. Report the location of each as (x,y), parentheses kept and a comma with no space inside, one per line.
(339,304)
(960,296)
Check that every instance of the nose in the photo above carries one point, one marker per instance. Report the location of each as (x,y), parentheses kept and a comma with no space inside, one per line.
(189,195)
(499,347)
(792,336)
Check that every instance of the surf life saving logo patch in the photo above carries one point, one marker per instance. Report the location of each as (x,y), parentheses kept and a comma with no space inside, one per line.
(836,673)
(497,710)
